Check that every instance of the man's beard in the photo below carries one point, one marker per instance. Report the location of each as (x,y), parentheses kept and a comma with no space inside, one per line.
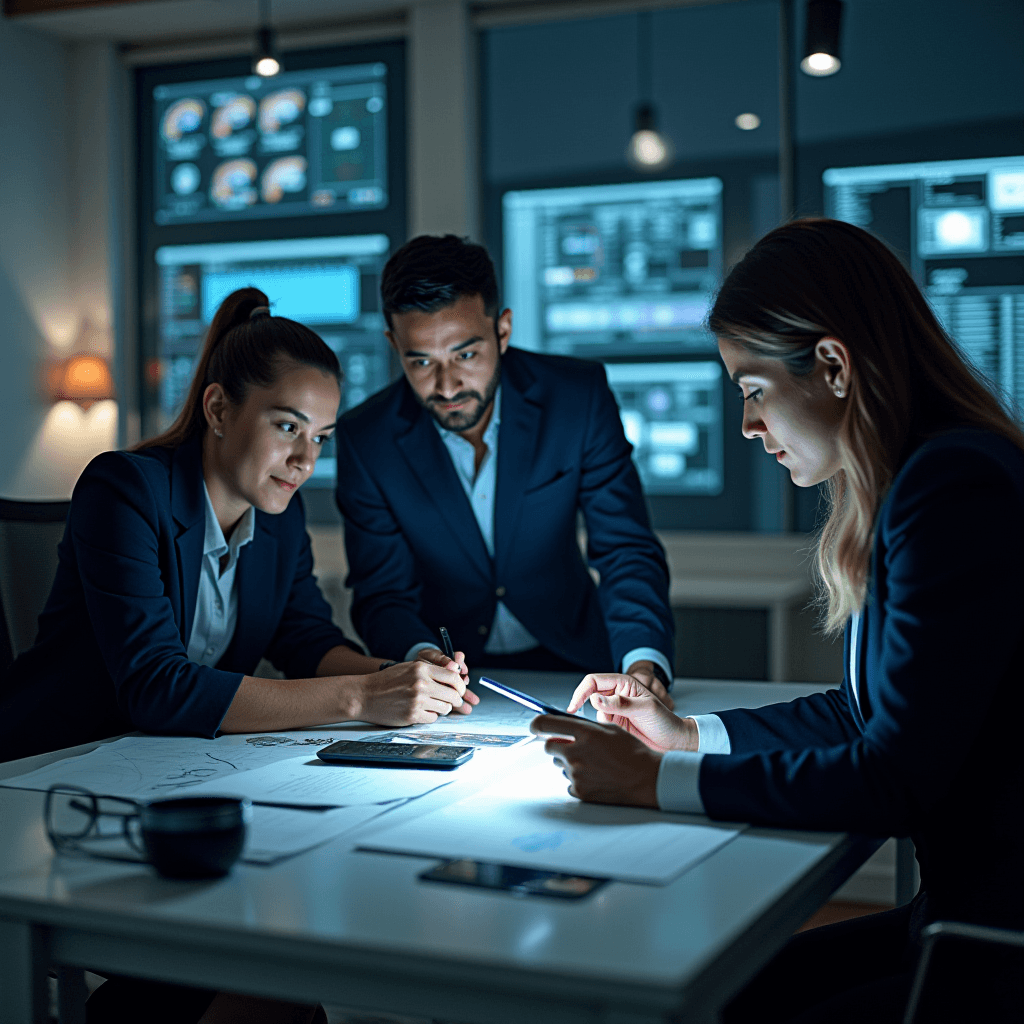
(463,419)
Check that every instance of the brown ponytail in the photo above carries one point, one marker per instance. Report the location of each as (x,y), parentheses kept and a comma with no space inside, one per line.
(243,351)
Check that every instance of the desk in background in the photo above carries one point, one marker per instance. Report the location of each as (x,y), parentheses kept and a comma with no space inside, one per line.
(359,930)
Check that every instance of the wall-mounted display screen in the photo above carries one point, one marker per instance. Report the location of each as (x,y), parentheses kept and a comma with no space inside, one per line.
(672,415)
(605,270)
(303,142)
(330,284)
(959,224)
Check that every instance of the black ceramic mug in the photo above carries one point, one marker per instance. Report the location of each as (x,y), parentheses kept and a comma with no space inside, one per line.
(194,836)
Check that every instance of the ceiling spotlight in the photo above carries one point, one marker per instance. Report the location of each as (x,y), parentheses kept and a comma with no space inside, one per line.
(648,149)
(747,122)
(821,38)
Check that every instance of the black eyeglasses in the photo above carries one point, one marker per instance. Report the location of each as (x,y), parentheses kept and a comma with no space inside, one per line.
(78,821)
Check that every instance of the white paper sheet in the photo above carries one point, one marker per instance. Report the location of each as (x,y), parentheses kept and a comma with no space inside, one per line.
(529,820)
(151,767)
(279,832)
(307,782)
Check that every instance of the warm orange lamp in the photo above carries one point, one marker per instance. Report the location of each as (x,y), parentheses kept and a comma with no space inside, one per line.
(84,379)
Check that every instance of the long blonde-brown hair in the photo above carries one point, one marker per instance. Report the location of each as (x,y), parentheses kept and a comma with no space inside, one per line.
(817,278)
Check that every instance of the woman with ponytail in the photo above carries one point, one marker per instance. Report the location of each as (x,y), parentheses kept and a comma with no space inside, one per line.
(186,560)
(849,380)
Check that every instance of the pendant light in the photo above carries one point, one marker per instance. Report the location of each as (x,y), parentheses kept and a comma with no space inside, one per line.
(265,61)
(648,149)
(821,38)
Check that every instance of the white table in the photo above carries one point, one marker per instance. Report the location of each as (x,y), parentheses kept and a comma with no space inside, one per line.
(359,930)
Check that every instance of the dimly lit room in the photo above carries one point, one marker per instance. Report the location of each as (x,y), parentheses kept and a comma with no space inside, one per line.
(513,511)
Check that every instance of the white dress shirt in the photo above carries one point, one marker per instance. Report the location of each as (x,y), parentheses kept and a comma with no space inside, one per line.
(679,773)
(213,627)
(507,634)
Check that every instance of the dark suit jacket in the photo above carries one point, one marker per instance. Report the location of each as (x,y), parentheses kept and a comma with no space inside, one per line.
(935,750)
(417,559)
(110,655)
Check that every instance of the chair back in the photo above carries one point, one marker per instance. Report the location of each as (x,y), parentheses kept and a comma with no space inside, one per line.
(968,973)
(29,534)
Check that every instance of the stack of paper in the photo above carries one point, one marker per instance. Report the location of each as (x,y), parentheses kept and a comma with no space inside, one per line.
(529,820)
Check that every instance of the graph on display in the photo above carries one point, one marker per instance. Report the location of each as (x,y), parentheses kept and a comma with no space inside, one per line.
(672,415)
(303,142)
(600,269)
(329,284)
(959,224)
(626,274)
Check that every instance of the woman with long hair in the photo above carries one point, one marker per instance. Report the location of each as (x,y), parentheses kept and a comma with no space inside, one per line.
(849,380)
(186,560)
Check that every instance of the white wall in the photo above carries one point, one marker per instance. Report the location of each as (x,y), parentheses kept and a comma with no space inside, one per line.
(58,200)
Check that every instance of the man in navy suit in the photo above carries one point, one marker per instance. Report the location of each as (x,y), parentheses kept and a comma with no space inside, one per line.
(461,484)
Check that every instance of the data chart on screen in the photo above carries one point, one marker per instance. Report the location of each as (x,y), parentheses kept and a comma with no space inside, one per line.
(605,270)
(329,284)
(672,416)
(303,142)
(959,226)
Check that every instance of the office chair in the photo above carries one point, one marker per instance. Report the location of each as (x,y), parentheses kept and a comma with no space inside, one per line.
(29,534)
(968,973)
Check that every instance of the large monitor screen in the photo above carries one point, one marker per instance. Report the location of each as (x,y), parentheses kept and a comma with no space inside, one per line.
(303,142)
(959,224)
(330,284)
(605,270)
(672,415)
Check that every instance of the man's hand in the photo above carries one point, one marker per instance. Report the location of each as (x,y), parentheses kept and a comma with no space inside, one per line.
(410,693)
(620,700)
(434,656)
(643,673)
(604,764)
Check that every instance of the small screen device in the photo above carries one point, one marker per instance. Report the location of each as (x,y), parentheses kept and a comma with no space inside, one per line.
(533,703)
(518,881)
(395,755)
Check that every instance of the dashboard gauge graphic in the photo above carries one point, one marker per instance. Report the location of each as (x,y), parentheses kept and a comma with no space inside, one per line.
(287,174)
(280,109)
(181,118)
(185,179)
(233,185)
(237,113)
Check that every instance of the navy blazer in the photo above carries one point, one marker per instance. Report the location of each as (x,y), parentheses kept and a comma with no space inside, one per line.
(416,556)
(110,655)
(934,749)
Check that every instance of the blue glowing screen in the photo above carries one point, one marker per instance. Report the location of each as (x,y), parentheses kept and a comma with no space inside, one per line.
(959,227)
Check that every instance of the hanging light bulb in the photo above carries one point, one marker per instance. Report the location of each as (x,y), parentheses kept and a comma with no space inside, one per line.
(648,149)
(265,61)
(821,39)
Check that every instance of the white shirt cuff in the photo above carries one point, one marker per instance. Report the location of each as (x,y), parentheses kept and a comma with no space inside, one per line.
(678,782)
(410,655)
(713,735)
(648,654)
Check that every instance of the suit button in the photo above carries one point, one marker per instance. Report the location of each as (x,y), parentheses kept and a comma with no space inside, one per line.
(500,592)
(482,630)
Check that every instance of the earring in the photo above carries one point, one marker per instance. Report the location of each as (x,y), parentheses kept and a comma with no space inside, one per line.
(839,392)
(218,433)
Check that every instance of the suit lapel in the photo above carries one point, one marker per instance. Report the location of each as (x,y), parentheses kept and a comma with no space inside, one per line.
(189,512)
(521,415)
(260,592)
(423,450)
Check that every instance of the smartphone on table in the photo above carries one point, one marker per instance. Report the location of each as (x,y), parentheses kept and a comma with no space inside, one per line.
(395,755)
(518,881)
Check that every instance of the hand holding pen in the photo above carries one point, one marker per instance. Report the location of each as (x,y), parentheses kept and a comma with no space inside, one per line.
(454,661)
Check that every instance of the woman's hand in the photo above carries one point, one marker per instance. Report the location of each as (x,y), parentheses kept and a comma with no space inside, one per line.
(409,693)
(434,656)
(604,764)
(621,700)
